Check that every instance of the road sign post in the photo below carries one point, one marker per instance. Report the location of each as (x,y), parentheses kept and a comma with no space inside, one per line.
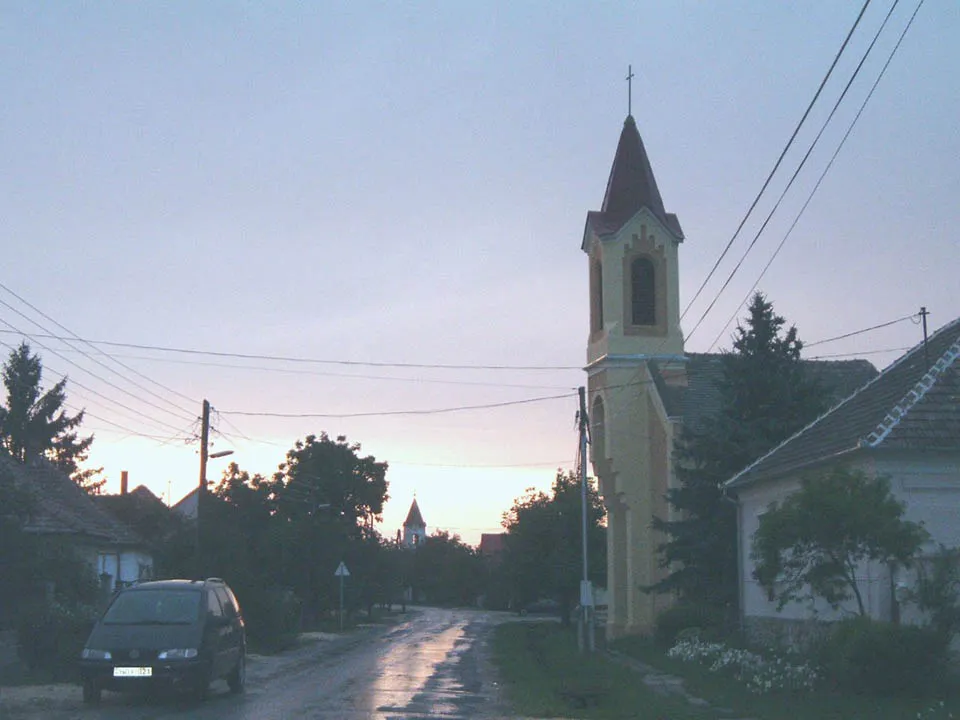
(341,573)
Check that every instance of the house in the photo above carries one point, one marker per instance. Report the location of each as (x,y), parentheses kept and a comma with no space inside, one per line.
(492,546)
(64,510)
(642,385)
(905,425)
(186,506)
(141,509)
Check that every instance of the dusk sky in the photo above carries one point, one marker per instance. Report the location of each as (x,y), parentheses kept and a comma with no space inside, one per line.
(369,185)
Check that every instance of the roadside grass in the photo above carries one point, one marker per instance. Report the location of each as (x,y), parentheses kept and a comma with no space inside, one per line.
(544,675)
(722,691)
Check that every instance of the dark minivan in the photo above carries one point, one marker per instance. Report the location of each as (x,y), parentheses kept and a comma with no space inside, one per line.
(181,634)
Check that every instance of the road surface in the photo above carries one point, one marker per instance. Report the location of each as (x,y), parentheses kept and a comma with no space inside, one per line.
(435,664)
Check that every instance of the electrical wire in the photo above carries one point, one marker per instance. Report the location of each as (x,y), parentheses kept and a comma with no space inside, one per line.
(319,361)
(816,187)
(435,411)
(860,332)
(783,153)
(793,177)
(349,376)
(90,372)
(137,416)
(88,355)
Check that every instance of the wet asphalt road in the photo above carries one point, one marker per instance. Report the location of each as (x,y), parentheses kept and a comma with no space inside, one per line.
(433,665)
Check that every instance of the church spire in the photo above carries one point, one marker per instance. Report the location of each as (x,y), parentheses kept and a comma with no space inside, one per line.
(631,185)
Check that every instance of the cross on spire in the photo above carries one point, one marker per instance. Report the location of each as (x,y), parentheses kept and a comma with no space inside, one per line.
(629,80)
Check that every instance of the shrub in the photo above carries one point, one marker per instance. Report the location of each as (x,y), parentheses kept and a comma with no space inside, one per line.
(760,674)
(51,638)
(702,621)
(879,658)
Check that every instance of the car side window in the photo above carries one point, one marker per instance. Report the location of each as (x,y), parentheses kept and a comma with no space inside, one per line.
(213,605)
(229,608)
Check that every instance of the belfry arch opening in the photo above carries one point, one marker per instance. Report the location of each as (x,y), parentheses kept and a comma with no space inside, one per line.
(643,295)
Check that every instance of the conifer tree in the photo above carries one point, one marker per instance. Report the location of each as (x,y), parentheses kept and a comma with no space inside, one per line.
(34,423)
(765,397)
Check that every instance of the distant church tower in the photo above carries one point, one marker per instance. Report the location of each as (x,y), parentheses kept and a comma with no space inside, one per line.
(414,528)
(635,360)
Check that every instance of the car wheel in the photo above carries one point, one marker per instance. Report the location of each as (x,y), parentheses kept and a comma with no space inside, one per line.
(237,678)
(92,693)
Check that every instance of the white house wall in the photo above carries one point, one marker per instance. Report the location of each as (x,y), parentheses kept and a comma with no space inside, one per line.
(929,486)
(873,579)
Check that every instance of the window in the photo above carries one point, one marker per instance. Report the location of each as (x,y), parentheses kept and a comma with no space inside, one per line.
(596,296)
(643,292)
(213,605)
(597,431)
(225,600)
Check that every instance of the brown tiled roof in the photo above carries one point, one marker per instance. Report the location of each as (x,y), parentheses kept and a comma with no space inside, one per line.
(63,508)
(907,406)
(414,518)
(700,399)
(630,187)
(492,543)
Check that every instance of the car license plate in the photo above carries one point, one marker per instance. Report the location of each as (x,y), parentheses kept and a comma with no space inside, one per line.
(132,671)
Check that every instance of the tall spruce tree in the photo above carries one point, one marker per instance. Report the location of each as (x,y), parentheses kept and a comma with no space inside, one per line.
(34,423)
(765,397)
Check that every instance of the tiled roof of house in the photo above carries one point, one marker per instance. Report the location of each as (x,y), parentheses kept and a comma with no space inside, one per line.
(492,543)
(631,186)
(907,406)
(63,508)
(700,399)
(414,518)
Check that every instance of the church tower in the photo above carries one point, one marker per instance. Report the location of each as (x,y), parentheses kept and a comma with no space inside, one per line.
(634,361)
(414,528)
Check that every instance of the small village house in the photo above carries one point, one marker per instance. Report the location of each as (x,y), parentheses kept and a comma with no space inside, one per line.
(904,425)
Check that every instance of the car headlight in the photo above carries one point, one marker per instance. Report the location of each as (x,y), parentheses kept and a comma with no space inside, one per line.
(92,654)
(177,654)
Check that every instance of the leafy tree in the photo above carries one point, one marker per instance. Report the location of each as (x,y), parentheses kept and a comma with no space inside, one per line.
(544,555)
(812,543)
(765,397)
(330,474)
(937,592)
(34,423)
(446,570)
(268,536)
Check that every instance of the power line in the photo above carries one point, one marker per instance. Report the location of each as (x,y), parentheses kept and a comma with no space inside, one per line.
(86,370)
(355,376)
(435,411)
(87,355)
(860,332)
(796,173)
(816,187)
(319,361)
(783,153)
(460,466)
(856,354)
(77,384)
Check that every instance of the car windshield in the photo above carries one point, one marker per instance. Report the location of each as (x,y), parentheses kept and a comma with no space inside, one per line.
(154,607)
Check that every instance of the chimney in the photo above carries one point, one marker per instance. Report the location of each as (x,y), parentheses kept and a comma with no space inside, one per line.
(123,482)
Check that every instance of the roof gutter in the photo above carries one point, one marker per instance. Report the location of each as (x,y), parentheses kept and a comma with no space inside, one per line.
(735,482)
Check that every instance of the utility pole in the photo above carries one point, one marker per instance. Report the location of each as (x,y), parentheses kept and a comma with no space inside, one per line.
(202,485)
(586,634)
(926,356)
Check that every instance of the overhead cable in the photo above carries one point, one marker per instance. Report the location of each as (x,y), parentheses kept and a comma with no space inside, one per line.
(779,160)
(816,187)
